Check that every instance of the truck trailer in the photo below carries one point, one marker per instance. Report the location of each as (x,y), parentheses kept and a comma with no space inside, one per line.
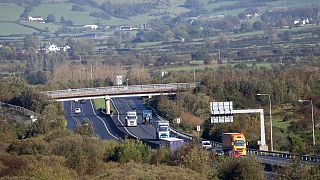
(233,143)
(172,143)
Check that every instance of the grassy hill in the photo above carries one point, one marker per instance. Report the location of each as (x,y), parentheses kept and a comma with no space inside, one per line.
(59,8)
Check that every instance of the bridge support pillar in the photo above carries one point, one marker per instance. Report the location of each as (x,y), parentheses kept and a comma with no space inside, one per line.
(107,103)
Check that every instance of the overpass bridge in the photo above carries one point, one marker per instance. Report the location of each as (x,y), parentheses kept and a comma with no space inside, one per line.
(119,91)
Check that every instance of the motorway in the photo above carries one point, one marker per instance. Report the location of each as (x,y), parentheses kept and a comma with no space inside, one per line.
(103,125)
(114,127)
(141,131)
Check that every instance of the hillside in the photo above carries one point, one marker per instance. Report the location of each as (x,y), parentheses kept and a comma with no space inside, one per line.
(120,12)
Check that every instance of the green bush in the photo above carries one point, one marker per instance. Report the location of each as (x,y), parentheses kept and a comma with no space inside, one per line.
(29,147)
(132,150)
(241,168)
(161,156)
(193,157)
(12,165)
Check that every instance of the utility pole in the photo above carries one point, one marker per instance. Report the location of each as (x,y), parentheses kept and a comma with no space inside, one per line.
(194,75)
(91,72)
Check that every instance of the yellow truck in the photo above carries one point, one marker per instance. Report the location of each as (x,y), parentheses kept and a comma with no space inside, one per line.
(234,143)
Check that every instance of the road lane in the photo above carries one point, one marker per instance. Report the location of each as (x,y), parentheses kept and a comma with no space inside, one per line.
(101,125)
(68,114)
(142,131)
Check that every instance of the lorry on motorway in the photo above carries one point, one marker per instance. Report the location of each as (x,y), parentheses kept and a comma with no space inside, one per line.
(234,144)
(172,143)
(131,118)
(163,129)
(147,116)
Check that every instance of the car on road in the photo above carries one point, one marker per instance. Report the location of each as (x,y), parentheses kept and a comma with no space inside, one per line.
(206,144)
(77,110)
(219,152)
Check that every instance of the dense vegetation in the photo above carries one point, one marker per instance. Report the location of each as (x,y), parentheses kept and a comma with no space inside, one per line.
(235,49)
(48,150)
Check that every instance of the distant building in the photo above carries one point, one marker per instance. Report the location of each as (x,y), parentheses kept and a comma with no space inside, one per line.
(249,16)
(36,18)
(55,48)
(297,21)
(92,27)
(128,28)
(301,22)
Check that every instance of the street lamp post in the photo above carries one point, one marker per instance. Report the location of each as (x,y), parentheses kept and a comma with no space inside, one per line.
(271,139)
(312,118)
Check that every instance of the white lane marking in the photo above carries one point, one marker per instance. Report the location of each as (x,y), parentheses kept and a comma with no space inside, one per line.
(72,115)
(142,117)
(121,122)
(102,121)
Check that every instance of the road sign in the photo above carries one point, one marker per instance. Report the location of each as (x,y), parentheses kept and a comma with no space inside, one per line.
(221,119)
(178,120)
(221,112)
(198,128)
(119,80)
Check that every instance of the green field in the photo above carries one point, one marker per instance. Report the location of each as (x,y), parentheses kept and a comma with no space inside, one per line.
(10,12)
(292,3)
(64,9)
(12,28)
(99,103)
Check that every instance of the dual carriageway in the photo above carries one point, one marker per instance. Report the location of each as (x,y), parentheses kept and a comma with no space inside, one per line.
(125,99)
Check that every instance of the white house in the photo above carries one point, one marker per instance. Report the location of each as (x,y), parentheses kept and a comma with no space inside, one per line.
(305,21)
(128,28)
(297,21)
(92,27)
(65,48)
(301,22)
(36,18)
(53,48)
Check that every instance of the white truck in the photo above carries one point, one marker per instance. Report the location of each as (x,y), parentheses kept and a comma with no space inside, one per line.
(163,130)
(131,118)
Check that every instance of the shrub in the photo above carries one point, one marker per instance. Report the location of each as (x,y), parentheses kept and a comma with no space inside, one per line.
(162,155)
(12,165)
(193,157)
(132,150)
(84,155)
(28,147)
(241,168)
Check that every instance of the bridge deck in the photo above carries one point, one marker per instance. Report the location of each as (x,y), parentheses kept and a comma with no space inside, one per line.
(120,90)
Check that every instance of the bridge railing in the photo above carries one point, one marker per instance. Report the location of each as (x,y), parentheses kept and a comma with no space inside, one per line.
(120,89)
(22,110)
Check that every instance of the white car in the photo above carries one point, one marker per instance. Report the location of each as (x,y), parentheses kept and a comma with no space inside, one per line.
(77,110)
(206,144)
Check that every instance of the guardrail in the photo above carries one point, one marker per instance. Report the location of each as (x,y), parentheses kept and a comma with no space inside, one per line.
(120,89)
(179,133)
(22,110)
(182,134)
(314,159)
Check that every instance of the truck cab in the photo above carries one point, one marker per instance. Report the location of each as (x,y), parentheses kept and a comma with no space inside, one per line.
(163,129)
(234,142)
(147,116)
(131,118)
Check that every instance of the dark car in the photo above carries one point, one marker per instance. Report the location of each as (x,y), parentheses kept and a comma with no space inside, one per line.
(219,152)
